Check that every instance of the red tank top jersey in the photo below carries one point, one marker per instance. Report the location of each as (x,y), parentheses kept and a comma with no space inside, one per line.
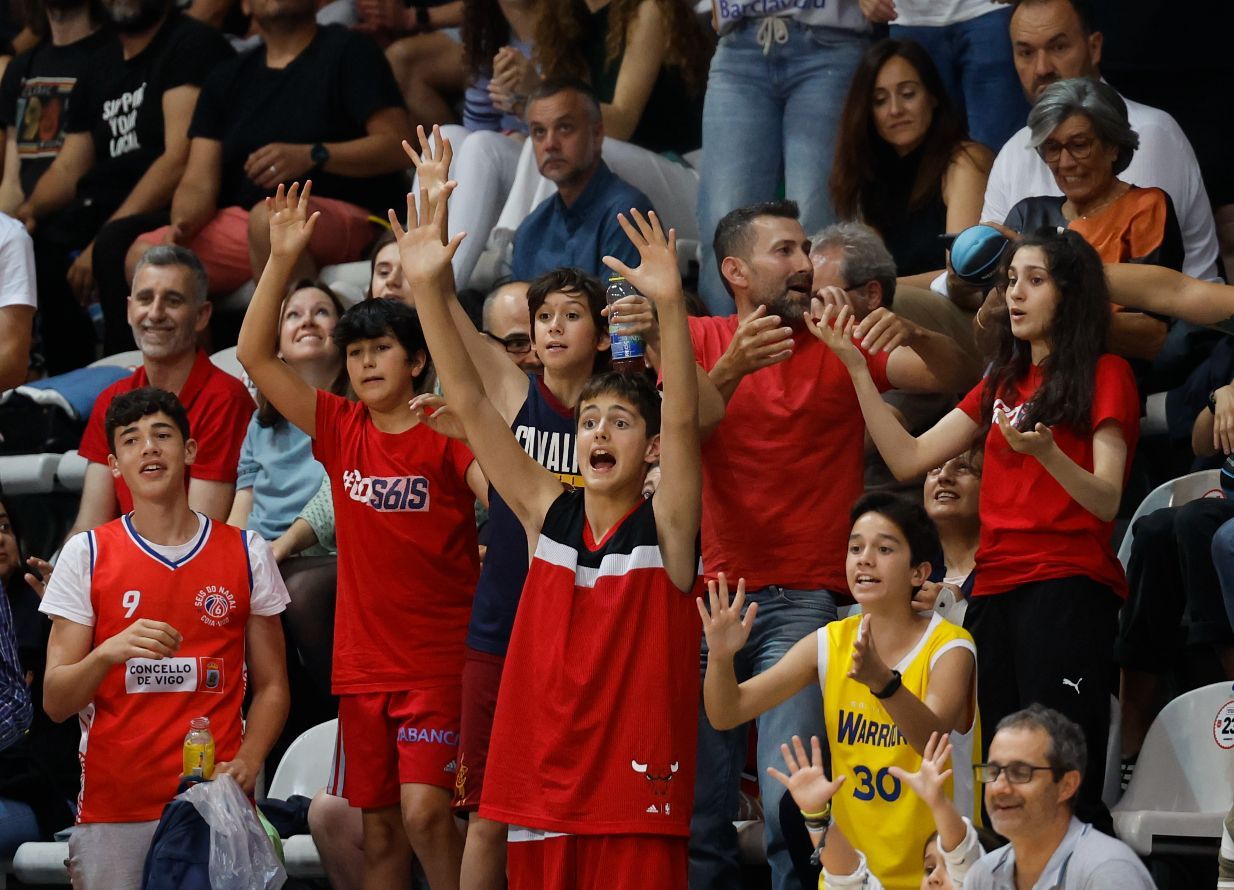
(133,732)
(597,719)
(408,559)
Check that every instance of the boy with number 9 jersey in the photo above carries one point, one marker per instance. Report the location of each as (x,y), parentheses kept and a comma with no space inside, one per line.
(155,616)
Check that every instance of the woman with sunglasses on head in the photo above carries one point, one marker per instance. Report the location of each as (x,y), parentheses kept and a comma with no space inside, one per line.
(1079,127)
(1060,421)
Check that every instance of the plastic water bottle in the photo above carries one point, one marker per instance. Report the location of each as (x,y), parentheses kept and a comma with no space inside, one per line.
(199,749)
(626,349)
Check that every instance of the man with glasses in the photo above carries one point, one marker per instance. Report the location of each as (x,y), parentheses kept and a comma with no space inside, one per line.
(507,324)
(1036,764)
(1055,40)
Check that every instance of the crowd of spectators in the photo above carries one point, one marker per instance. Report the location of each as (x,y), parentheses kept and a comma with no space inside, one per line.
(814,162)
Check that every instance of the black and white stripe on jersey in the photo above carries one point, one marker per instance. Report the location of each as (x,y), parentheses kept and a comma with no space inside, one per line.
(633,546)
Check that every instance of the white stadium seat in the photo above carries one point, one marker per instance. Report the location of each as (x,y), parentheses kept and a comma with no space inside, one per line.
(1184,778)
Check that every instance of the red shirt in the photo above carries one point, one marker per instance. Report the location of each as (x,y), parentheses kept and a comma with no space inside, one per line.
(219,410)
(133,731)
(786,465)
(596,725)
(1031,529)
(408,556)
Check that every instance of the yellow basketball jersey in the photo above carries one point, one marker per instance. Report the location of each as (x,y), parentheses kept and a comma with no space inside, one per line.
(881,817)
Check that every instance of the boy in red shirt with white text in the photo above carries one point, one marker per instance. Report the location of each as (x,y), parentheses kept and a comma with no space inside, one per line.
(408,562)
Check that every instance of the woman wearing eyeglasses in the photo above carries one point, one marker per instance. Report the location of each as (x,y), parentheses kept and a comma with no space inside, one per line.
(1080,129)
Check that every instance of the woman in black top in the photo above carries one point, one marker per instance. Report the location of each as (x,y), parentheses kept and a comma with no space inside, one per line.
(904,163)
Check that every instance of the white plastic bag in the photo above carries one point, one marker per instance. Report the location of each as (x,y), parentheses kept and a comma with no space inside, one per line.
(241,856)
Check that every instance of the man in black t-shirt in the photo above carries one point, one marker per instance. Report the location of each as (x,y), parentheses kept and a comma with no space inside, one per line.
(315,102)
(123,156)
(34,94)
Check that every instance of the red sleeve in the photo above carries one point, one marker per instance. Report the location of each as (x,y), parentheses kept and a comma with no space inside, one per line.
(93,445)
(219,430)
(460,457)
(971,403)
(330,411)
(1115,397)
(878,369)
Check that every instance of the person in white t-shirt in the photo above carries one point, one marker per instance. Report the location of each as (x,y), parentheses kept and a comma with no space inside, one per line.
(17,301)
(1054,40)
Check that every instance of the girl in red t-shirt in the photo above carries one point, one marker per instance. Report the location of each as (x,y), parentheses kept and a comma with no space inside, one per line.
(1060,420)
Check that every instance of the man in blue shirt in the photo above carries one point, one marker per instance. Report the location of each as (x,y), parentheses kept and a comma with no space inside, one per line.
(578,225)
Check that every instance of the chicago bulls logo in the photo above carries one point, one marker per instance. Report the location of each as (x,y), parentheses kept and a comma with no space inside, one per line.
(659,780)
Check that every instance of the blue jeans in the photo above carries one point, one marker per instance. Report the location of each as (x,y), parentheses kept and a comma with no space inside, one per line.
(784,617)
(1223,561)
(769,118)
(974,59)
(17,826)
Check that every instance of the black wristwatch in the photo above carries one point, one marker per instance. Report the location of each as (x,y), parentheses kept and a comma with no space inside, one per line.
(319,155)
(889,690)
(423,22)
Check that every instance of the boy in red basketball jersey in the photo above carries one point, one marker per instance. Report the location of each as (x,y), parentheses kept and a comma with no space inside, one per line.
(154,617)
(404,507)
(592,755)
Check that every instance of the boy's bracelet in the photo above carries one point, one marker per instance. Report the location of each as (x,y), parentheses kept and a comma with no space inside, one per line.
(819,821)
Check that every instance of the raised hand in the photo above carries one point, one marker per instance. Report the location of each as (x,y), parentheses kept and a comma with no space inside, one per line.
(291,225)
(930,781)
(835,329)
(868,666)
(806,781)
(433,411)
(657,275)
(725,629)
(1037,443)
(432,161)
(144,638)
(424,256)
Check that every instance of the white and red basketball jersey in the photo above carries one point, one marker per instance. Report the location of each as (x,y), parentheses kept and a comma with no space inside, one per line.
(133,733)
(597,718)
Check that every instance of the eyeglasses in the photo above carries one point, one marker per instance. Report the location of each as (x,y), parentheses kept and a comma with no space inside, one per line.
(1079,148)
(1018,773)
(515,345)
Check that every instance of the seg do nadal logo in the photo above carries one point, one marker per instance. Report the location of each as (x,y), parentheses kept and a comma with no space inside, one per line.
(216,604)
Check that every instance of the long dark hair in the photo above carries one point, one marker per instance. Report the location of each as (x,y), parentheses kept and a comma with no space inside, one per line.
(1077,336)
(858,180)
(485,30)
(561,31)
(267,414)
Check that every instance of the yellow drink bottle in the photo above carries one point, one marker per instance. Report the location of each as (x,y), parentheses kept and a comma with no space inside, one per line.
(199,749)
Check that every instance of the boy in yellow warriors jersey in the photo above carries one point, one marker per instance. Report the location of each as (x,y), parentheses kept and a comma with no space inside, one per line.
(890,678)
